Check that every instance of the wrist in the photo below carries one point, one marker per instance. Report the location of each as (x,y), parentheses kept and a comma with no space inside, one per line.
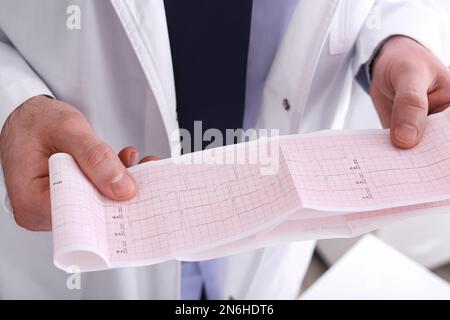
(395,45)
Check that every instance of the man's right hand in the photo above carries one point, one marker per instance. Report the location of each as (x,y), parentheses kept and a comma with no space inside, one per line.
(36,130)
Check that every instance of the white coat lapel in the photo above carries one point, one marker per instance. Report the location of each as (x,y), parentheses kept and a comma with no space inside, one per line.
(146,27)
(289,81)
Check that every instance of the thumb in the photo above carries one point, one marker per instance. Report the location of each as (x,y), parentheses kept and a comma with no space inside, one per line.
(410,111)
(99,163)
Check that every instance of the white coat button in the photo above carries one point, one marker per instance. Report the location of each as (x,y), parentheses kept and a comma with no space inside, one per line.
(286,105)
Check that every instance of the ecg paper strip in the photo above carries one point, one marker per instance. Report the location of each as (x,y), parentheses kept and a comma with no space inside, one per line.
(329,184)
(364,171)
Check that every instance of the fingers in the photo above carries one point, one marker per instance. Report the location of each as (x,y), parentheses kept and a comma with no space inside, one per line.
(383,106)
(98,161)
(439,99)
(30,211)
(410,111)
(149,158)
(28,188)
(129,156)
(439,109)
(406,81)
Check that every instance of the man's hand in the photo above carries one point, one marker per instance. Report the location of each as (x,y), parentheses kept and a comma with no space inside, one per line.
(36,130)
(409,83)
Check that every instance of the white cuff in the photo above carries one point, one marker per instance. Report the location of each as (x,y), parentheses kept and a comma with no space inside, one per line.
(427,23)
(17,93)
(4,198)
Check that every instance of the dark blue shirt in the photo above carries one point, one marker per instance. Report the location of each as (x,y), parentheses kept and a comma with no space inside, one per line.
(209,42)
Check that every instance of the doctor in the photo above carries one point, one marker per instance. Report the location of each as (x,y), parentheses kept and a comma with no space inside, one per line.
(90,77)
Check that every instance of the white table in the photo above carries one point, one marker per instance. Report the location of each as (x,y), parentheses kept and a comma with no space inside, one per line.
(374,270)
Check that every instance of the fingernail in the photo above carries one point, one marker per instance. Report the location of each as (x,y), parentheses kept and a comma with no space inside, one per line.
(123,185)
(133,159)
(406,133)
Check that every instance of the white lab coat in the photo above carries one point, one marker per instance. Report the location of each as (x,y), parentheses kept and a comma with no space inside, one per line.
(117,70)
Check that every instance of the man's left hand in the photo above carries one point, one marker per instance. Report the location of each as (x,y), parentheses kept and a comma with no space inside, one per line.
(408,84)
